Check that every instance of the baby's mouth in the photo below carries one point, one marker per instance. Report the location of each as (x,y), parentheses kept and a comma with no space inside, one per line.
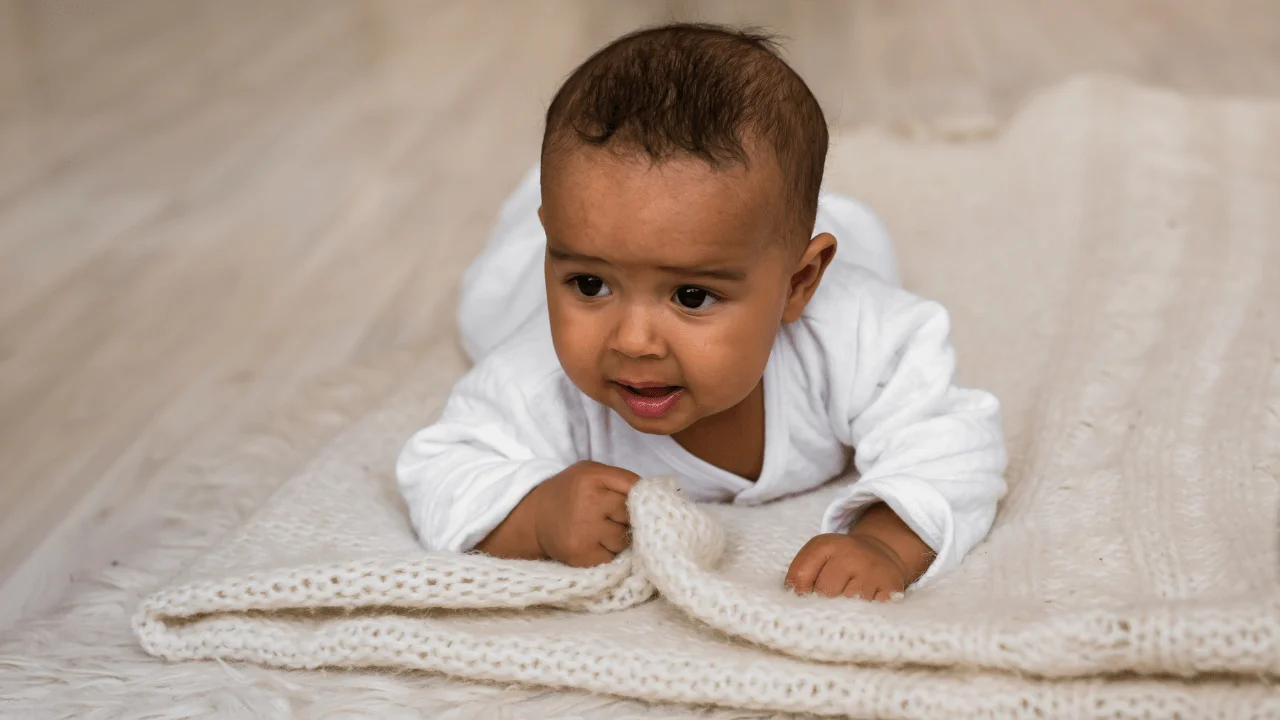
(656,391)
(650,401)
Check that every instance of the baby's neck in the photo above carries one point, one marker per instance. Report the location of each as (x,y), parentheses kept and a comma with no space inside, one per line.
(732,440)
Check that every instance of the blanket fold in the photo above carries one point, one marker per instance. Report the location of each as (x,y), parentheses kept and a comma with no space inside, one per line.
(1112,269)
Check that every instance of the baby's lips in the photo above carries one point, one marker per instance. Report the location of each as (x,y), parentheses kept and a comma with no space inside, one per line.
(648,389)
(654,392)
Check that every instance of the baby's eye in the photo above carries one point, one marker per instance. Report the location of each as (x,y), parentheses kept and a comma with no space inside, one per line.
(591,286)
(695,298)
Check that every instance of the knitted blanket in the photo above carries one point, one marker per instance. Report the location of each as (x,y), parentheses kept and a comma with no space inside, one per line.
(1112,266)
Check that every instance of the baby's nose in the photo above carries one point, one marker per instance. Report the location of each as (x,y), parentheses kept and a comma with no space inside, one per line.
(638,335)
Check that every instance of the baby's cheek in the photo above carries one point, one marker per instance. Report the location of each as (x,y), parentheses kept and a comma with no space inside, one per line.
(724,374)
(578,348)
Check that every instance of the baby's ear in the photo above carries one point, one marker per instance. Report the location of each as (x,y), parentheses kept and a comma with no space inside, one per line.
(808,273)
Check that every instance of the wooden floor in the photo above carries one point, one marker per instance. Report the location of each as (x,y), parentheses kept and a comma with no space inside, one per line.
(204,203)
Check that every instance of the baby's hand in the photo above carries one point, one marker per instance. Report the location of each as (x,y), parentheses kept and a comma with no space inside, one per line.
(581,513)
(850,565)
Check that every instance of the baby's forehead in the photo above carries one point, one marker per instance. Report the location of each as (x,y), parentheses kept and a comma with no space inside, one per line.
(589,174)
(635,207)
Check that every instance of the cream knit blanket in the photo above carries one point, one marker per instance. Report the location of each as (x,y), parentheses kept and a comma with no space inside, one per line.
(1112,263)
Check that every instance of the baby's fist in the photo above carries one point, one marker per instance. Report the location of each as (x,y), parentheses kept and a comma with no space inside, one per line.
(581,513)
(836,564)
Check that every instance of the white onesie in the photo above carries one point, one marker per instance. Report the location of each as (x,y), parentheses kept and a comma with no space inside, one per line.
(867,366)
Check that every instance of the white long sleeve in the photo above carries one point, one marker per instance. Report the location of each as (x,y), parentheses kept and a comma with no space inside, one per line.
(502,432)
(932,451)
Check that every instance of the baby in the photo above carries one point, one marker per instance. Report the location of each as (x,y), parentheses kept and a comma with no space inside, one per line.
(663,296)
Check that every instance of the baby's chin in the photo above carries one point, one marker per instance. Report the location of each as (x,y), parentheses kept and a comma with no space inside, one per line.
(650,426)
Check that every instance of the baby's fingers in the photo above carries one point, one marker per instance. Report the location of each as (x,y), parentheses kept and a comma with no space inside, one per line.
(616,510)
(834,578)
(865,590)
(854,588)
(618,480)
(805,568)
(591,557)
(614,537)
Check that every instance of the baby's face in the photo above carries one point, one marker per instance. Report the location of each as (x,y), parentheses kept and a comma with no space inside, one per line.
(666,282)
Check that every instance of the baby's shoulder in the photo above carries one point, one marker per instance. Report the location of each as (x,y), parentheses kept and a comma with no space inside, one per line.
(855,321)
(850,295)
(523,366)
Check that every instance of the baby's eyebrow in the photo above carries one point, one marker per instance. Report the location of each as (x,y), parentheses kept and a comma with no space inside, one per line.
(566,255)
(714,273)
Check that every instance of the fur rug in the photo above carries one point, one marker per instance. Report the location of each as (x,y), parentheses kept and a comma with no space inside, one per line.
(1111,266)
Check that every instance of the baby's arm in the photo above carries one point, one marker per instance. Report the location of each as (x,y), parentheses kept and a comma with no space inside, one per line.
(499,473)
(930,456)
(462,475)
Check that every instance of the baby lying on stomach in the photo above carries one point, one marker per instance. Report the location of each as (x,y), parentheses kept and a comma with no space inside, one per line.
(663,296)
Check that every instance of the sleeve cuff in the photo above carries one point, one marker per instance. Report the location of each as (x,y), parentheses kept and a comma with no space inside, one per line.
(467,526)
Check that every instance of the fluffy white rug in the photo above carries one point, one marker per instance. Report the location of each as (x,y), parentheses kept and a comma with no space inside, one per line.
(1112,269)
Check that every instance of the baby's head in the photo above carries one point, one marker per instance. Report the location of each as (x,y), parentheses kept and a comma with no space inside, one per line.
(680,176)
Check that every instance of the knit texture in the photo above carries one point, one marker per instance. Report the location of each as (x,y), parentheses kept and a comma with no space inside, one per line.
(1112,269)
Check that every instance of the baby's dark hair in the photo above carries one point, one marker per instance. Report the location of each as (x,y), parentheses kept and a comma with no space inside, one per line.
(697,90)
